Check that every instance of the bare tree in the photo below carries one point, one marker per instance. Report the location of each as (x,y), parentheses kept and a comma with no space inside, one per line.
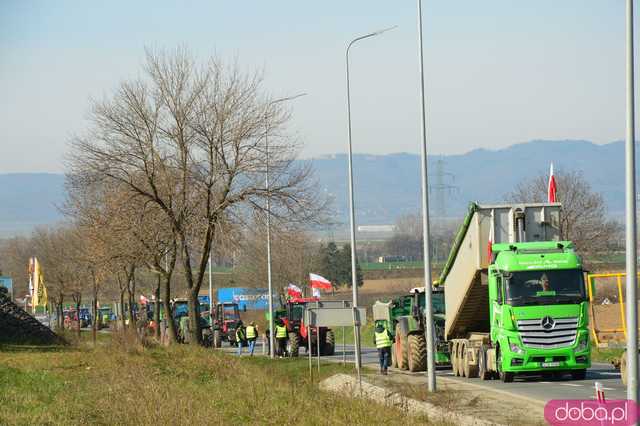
(188,139)
(584,217)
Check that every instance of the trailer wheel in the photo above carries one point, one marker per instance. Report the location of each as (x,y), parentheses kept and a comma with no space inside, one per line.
(293,344)
(462,349)
(417,356)
(401,349)
(470,371)
(454,359)
(483,371)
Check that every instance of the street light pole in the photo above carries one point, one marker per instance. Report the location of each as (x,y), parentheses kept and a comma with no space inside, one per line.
(431,374)
(354,277)
(267,187)
(631,255)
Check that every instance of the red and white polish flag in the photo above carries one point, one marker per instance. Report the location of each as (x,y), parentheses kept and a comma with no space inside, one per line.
(317,281)
(551,190)
(294,291)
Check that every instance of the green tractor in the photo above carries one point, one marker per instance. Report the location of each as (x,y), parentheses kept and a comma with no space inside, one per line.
(404,318)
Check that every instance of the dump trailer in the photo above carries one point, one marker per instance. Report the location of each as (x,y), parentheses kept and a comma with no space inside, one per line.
(404,317)
(515,296)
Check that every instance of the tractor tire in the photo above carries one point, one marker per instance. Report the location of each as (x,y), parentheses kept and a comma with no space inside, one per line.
(417,357)
(483,371)
(293,345)
(400,346)
(329,347)
(217,339)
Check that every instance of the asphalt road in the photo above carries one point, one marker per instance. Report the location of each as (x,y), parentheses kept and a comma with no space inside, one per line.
(533,387)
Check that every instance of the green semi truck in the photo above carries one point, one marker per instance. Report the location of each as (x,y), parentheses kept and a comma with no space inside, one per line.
(515,296)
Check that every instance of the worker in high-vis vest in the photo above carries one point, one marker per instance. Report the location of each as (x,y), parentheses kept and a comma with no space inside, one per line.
(281,338)
(383,341)
(252,335)
(241,337)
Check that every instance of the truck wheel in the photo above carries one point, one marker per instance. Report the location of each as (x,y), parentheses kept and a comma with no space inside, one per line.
(483,372)
(329,347)
(623,368)
(293,344)
(417,356)
(454,359)
(505,376)
(217,339)
(462,349)
(579,374)
(470,371)
(401,349)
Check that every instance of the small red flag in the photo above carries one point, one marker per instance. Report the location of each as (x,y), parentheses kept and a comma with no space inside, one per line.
(551,192)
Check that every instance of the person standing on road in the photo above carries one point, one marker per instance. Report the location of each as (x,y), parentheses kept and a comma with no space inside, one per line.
(383,341)
(252,335)
(281,337)
(241,337)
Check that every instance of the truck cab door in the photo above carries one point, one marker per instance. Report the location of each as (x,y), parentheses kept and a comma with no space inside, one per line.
(495,301)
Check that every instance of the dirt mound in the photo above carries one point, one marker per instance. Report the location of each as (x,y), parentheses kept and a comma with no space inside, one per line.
(18,327)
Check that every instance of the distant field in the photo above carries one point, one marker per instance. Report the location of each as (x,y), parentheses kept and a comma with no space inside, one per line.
(374,266)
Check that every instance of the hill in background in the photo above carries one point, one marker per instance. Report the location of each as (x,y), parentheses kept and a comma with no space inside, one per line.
(386,186)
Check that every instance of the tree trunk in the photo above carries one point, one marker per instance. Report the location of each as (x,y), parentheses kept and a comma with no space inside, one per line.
(156,310)
(78,315)
(60,315)
(121,313)
(194,317)
(94,323)
(168,312)
(132,320)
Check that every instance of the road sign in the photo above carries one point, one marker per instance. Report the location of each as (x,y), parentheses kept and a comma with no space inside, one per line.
(335,317)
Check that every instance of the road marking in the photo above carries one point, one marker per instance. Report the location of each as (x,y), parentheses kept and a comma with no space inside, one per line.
(545,383)
(608,389)
(571,384)
(608,373)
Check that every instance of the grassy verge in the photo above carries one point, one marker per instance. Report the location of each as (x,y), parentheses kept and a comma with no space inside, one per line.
(113,384)
(366,336)
(605,354)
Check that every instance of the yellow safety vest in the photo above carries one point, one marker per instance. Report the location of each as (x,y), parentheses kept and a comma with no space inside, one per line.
(239,335)
(281,332)
(251,332)
(383,340)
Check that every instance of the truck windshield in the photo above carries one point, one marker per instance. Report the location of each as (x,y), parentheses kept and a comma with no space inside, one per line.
(545,287)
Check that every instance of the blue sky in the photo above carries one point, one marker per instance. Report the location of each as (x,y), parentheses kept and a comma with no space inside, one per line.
(498,72)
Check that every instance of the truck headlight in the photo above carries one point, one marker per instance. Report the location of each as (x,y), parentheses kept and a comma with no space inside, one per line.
(516,349)
(582,345)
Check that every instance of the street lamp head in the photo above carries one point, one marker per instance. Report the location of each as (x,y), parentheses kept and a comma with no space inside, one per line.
(384,30)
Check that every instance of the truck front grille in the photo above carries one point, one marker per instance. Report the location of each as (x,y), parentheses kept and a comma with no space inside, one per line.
(548,332)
